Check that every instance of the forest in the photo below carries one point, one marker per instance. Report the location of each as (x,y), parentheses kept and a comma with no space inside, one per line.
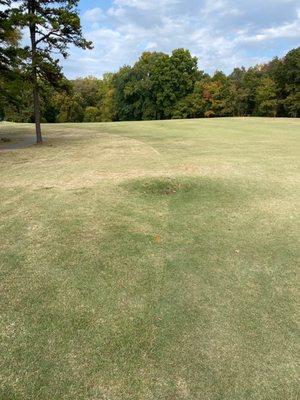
(162,86)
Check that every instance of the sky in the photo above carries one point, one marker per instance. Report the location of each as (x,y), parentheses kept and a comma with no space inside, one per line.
(223,34)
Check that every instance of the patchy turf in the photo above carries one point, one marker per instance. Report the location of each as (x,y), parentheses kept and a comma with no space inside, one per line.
(151,260)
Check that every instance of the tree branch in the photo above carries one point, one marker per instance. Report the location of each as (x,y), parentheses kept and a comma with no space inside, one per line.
(46,36)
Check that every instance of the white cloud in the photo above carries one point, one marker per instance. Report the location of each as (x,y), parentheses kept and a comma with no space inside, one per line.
(151,46)
(284,31)
(94,15)
(145,4)
(221,33)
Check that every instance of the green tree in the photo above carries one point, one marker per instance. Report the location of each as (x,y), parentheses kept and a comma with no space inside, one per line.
(173,79)
(194,104)
(107,104)
(9,52)
(88,88)
(53,26)
(291,67)
(9,37)
(144,85)
(154,85)
(18,105)
(266,102)
(92,114)
(124,98)
(251,81)
(184,72)
(70,107)
(238,92)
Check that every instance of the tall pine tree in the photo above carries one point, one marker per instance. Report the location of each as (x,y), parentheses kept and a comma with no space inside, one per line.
(53,26)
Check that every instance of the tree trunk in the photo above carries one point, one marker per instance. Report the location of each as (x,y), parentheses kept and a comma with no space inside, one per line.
(36,95)
(37,113)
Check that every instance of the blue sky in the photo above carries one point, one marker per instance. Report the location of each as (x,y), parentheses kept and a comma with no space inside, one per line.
(221,33)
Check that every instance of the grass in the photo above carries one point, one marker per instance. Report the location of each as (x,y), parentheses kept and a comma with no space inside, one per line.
(151,260)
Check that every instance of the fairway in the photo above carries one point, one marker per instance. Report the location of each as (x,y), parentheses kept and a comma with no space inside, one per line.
(151,260)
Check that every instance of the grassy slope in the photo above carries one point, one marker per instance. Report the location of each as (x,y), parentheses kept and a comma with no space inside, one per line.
(151,260)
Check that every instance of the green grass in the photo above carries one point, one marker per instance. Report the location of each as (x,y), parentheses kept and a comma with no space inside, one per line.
(151,260)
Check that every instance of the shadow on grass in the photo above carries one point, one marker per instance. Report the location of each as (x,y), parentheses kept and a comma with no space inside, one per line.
(189,188)
(17,143)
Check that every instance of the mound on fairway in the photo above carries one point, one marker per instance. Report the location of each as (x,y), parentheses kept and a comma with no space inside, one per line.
(151,260)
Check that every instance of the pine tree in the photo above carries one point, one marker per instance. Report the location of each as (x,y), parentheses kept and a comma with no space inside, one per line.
(53,26)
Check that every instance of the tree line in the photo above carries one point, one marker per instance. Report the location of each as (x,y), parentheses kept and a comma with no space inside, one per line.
(162,86)
(157,86)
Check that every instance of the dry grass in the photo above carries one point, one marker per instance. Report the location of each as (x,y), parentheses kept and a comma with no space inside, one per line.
(151,260)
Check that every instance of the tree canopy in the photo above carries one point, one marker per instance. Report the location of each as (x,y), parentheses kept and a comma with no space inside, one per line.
(161,86)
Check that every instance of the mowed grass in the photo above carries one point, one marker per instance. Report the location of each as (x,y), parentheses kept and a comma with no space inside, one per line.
(151,260)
